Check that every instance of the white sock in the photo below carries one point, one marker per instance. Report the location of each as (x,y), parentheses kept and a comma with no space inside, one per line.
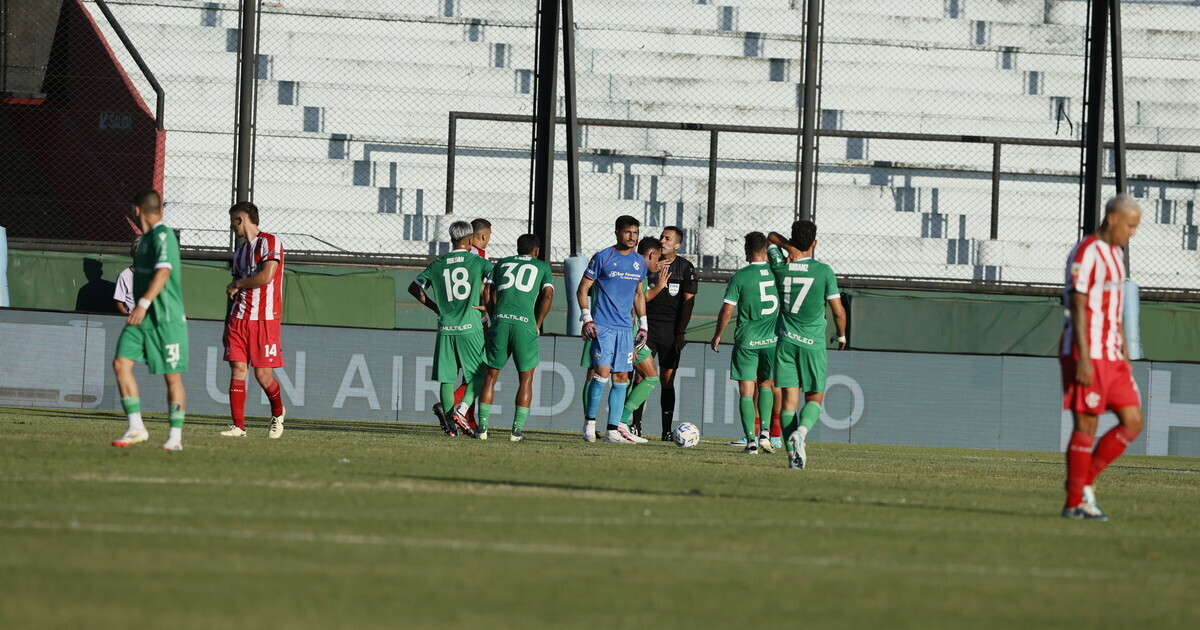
(803,431)
(175,435)
(135,421)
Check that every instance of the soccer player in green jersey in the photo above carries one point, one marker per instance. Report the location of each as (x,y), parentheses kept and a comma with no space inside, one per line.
(455,281)
(752,293)
(156,330)
(805,286)
(524,289)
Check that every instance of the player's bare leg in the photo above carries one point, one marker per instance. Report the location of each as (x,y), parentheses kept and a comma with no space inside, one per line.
(238,372)
(127,386)
(266,378)
(176,406)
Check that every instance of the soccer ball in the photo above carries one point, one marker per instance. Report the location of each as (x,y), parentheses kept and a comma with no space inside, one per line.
(687,435)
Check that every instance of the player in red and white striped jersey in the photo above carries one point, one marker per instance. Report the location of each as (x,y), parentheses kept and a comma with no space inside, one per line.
(480,237)
(1096,373)
(252,327)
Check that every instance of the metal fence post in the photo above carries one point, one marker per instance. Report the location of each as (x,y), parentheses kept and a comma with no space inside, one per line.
(1093,170)
(995,233)
(712,178)
(451,150)
(247,105)
(544,121)
(811,50)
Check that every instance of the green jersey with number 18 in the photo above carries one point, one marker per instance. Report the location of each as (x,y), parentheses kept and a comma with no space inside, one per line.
(455,281)
(752,292)
(804,286)
(519,281)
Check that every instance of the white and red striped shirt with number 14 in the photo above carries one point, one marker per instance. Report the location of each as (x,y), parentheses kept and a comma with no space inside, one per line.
(1097,269)
(266,302)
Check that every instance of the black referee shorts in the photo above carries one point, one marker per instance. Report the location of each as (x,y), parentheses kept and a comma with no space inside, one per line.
(662,345)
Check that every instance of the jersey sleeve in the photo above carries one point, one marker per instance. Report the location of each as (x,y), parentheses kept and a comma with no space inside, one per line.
(1083,269)
(546,277)
(831,285)
(424,277)
(733,291)
(642,268)
(269,249)
(162,252)
(593,269)
(691,284)
(488,269)
(776,256)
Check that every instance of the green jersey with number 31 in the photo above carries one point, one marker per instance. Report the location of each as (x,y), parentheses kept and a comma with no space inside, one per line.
(519,281)
(804,287)
(454,281)
(751,290)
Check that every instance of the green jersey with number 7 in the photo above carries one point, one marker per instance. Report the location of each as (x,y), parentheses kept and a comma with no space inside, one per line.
(805,286)
(519,281)
(455,281)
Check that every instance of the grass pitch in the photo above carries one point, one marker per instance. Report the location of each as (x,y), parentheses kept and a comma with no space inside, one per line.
(364,525)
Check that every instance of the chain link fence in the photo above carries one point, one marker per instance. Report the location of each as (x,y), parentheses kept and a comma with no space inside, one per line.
(353,128)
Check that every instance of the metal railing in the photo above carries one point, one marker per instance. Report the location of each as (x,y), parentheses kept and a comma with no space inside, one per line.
(159,93)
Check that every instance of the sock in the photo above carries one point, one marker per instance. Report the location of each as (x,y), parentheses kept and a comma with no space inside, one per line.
(237,402)
(175,417)
(447,396)
(587,387)
(1079,465)
(473,386)
(133,413)
(790,424)
(809,414)
(175,434)
(519,420)
(757,425)
(274,397)
(746,406)
(595,390)
(668,407)
(637,396)
(776,425)
(1108,449)
(616,403)
(766,401)
(485,410)
(459,394)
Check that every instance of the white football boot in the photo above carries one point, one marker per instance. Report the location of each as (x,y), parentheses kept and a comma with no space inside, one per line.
(276,429)
(234,431)
(764,444)
(589,430)
(131,437)
(637,439)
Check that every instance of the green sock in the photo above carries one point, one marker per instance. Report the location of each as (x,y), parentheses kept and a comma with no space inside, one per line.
(175,416)
(447,397)
(519,420)
(637,396)
(787,418)
(485,410)
(809,414)
(474,386)
(746,404)
(766,405)
(132,404)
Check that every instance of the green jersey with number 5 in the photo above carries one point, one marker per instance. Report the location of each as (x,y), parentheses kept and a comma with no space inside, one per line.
(751,290)
(454,281)
(804,287)
(519,281)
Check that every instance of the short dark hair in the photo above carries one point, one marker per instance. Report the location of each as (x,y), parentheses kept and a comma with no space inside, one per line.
(148,200)
(756,242)
(250,209)
(526,243)
(676,229)
(625,221)
(803,234)
(648,244)
(479,225)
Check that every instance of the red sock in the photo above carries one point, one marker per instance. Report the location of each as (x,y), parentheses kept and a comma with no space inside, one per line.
(275,399)
(237,402)
(776,428)
(1109,449)
(458,396)
(757,425)
(1079,466)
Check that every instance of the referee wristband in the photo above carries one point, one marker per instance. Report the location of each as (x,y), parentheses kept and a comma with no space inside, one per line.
(144,303)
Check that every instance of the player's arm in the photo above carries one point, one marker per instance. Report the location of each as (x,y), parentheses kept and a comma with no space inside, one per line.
(722,321)
(585,315)
(839,320)
(263,277)
(417,290)
(157,282)
(121,307)
(777,239)
(639,309)
(1083,368)
(544,301)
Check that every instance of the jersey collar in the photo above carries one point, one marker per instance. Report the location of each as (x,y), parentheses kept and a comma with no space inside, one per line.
(160,222)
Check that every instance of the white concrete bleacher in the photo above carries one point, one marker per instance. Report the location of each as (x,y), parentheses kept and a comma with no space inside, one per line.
(354,96)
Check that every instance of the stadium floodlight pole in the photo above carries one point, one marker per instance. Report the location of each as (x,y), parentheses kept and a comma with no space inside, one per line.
(544,121)
(812,40)
(1093,164)
(247,90)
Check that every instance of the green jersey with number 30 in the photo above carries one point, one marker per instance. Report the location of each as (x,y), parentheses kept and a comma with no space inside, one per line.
(454,281)
(804,287)
(751,290)
(519,281)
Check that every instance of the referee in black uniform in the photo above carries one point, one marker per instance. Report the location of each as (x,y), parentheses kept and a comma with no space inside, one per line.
(669,314)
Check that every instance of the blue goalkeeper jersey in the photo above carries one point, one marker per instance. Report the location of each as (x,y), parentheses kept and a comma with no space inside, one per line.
(616,279)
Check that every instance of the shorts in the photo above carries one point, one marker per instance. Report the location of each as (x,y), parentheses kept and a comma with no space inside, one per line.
(1112,387)
(586,359)
(800,366)
(516,340)
(613,348)
(254,342)
(752,364)
(454,352)
(164,349)
(662,344)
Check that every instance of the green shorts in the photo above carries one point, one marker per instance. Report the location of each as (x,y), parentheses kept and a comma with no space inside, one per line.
(752,364)
(515,340)
(164,349)
(800,366)
(454,352)
(586,359)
